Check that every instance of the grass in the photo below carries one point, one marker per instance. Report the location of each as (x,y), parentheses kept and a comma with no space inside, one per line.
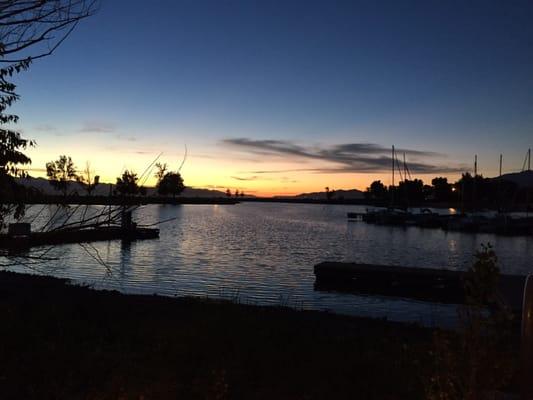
(59,341)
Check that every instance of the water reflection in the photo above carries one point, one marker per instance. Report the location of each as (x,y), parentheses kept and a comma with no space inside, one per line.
(265,253)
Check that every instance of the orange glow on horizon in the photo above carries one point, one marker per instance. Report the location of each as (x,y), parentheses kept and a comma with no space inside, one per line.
(279,178)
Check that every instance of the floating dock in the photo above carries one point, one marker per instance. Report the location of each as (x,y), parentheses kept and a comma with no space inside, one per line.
(427,284)
(75,236)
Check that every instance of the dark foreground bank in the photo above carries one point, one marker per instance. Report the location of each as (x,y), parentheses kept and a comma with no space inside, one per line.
(67,342)
(59,341)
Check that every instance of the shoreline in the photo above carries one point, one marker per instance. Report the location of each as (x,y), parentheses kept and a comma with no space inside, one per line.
(145,200)
(66,341)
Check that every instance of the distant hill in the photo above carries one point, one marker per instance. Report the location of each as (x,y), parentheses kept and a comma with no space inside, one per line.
(103,189)
(339,194)
(522,179)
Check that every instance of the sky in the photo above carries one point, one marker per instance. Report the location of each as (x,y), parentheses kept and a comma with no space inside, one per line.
(283,97)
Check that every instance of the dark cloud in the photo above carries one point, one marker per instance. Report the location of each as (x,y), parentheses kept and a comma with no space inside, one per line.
(350,157)
(270,147)
(245,178)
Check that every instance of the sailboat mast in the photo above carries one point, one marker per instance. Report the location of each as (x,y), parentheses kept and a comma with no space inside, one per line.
(392,165)
(404,167)
(528,189)
(474,184)
(392,186)
(500,197)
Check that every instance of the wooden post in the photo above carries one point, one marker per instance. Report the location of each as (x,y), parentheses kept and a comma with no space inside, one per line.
(527,340)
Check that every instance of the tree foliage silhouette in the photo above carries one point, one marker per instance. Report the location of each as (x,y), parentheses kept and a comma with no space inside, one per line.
(377,191)
(162,169)
(442,190)
(127,184)
(171,184)
(61,173)
(28,30)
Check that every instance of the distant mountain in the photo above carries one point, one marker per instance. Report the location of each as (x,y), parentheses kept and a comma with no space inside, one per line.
(103,189)
(339,194)
(522,179)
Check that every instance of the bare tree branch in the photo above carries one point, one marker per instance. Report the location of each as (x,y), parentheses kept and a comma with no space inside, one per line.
(34,29)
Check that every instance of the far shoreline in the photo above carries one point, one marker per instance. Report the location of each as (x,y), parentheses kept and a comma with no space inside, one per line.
(178,200)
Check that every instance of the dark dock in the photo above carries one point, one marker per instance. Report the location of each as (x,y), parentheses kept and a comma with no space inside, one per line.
(103,233)
(426,284)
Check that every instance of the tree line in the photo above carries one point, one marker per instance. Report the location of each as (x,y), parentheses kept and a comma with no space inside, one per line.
(62,173)
(469,190)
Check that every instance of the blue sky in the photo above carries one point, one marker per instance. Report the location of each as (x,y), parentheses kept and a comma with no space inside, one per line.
(139,78)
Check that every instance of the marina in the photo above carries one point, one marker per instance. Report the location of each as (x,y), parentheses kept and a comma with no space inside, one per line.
(501,224)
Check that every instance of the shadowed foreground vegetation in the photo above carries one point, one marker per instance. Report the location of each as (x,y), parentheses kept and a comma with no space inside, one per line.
(59,341)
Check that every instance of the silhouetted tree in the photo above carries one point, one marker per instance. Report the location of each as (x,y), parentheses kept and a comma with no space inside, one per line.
(228,193)
(11,158)
(442,190)
(427,192)
(162,169)
(28,30)
(411,191)
(472,190)
(87,180)
(127,184)
(60,173)
(236,192)
(479,357)
(376,191)
(171,183)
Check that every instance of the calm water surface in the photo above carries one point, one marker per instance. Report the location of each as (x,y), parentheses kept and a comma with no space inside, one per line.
(263,253)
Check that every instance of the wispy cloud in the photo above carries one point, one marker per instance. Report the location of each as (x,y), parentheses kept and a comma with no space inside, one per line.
(31,169)
(45,128)
(97,127)
(348,157)
(125,137)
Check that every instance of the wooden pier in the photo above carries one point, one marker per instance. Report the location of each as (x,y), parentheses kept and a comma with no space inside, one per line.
(102,233)
(427,284)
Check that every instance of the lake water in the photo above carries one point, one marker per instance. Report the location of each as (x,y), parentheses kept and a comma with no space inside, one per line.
(264,253)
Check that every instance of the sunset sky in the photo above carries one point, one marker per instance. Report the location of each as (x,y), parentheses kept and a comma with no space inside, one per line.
(283,97)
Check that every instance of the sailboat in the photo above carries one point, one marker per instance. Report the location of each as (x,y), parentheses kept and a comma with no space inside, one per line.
(392,215)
